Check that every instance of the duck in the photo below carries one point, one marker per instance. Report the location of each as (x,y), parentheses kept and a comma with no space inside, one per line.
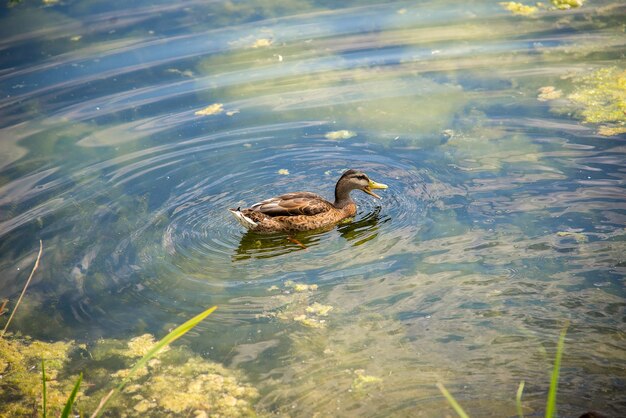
(306,211)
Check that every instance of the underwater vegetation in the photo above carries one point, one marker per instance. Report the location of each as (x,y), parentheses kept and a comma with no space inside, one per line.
(293,304)
(20,368)
(554,383)
(598,98)
(177,382)
(525,10)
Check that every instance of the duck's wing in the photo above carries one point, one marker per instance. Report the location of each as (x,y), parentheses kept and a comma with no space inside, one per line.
(293,204)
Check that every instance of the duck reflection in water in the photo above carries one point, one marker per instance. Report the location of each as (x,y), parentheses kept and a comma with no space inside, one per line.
(258,245)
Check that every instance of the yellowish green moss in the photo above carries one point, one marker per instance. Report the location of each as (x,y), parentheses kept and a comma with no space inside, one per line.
(319,309)
(601,95)
(293,305)
(20,371)
(300,287)
(309,321)
(611,130)
(263,42)
(178,383)
(342,134)
(519,8)
(579,237)
(362,380)
(213,109)
(567,4)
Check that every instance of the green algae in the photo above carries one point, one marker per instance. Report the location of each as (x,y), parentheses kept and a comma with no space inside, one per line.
(293,304)
(178,382)
(600,96)
(363,381)
(21,384)
(567,4)
(519,8)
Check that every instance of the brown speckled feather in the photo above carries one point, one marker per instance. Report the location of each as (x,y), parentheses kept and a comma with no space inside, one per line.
(293,204)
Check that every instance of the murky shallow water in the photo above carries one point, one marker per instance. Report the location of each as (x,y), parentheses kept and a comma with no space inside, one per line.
(505,216)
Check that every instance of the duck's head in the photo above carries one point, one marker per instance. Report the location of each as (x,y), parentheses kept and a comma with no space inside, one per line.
(356,180)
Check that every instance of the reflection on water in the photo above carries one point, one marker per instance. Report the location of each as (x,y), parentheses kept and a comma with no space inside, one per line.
(501,138)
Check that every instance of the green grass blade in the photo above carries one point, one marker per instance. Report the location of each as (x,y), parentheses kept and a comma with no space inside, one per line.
(168,339)
(70,401)
(44,390)
(452,401)
(554,381)
(518,400)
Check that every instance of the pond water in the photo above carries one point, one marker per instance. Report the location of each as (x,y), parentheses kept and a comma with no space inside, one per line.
(127,129)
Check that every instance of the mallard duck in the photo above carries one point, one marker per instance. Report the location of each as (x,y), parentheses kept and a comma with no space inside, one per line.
(304,211)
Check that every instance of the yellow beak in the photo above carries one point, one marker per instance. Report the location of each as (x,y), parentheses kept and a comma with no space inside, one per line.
(374,185)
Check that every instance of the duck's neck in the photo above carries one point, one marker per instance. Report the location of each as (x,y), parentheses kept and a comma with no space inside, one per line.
(342,196)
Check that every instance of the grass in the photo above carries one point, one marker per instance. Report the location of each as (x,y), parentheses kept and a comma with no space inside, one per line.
(554,382)
(67,411)
(43,389)
(455,405)
(518,400)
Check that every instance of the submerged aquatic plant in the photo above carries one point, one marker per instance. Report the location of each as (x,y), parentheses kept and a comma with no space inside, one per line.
(554,382)
(177,382)
(519,8)
(567,4)
(23,383)
(601,95)
(169,338)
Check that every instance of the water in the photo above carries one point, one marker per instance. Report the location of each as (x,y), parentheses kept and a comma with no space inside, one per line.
(504,218)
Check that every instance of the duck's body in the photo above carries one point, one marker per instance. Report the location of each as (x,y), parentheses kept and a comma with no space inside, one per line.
(304,211)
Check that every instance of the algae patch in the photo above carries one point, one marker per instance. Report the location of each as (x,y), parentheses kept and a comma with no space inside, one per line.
(601,95)
(178,382)
(262,43)
(611,130)
(567,4)
(579,237)
(519,8)
(214,109)
(293,305)
(362,380)
(20,371)
(342,134)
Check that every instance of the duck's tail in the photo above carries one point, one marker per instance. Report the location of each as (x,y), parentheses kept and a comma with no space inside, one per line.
(243,219)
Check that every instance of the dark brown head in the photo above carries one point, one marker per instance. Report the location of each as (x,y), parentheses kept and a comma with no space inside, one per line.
(355,180)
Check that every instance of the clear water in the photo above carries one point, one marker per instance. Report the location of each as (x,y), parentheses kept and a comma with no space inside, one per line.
(505,216)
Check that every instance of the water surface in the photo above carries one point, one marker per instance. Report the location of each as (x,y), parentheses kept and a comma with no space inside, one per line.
(504,219)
